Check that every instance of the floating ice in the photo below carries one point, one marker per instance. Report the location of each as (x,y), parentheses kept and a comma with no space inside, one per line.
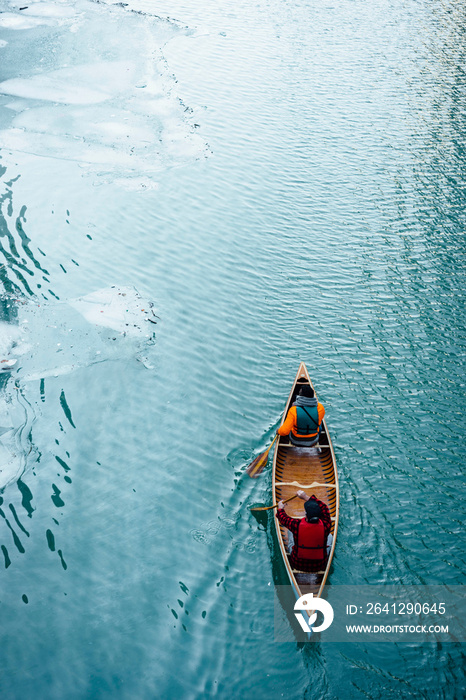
(10,335)
(71,85)
(9,20)
(117,114)
(119,309)
(55,338)
(46,9)
(17,417)
(37,13)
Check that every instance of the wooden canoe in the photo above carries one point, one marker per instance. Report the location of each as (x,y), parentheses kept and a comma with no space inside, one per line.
(300,468)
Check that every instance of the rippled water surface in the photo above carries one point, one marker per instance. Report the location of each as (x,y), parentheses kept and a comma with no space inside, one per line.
(235,187)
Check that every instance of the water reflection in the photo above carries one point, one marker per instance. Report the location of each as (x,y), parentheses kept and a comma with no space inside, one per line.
(14,269)
(43,337)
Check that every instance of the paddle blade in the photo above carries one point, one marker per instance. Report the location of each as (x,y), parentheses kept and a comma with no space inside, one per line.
(258,464)
(261,517)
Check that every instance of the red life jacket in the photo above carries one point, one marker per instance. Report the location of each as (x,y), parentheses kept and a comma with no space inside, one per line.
(311,540)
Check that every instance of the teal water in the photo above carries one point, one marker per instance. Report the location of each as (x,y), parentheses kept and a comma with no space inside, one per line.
(285,182)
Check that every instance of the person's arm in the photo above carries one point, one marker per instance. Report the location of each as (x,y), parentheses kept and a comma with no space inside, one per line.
(321,412)
(288,424)
(285,520)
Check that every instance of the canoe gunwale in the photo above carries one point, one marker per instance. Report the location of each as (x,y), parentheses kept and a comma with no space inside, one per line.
(304,375)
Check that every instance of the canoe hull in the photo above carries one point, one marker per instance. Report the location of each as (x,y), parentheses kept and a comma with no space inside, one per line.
(314,470)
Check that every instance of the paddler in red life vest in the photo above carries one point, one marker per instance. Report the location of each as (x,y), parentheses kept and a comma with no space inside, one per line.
(309,538)
(304,420)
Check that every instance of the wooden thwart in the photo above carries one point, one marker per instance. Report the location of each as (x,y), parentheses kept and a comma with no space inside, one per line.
(315,484)
(290,444)
(316,573)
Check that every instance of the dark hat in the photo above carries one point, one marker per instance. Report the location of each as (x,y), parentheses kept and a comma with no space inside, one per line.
(312,509)
(306,390)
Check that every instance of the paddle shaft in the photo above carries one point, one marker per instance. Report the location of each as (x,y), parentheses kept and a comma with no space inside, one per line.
(276,504)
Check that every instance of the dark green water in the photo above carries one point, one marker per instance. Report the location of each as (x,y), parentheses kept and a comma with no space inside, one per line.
(285,181)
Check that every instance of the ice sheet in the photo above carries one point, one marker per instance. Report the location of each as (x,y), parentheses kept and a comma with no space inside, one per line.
(119,309)
(87,92)
(54,338)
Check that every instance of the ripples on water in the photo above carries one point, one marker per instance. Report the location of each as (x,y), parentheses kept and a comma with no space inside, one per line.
(316,213)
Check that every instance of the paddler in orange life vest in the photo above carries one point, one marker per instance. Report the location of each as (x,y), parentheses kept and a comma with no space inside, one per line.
(304,420)
(309,538)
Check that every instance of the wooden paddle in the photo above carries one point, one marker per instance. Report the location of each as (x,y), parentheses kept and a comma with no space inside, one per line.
(259,463)
(276,504)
